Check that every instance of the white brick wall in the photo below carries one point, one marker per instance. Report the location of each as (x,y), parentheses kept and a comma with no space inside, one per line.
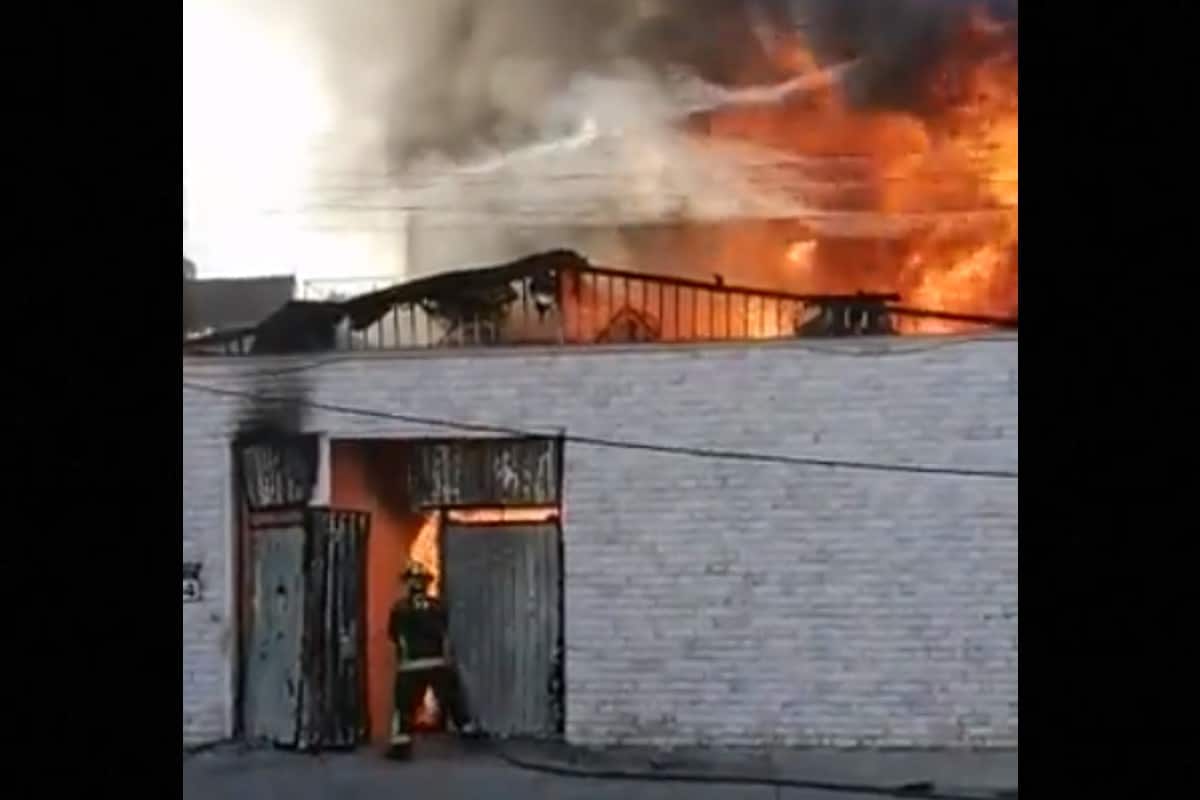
(716,601)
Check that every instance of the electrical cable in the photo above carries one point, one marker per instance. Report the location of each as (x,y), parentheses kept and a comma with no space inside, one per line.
(917,789)
(811,184)
(537,209)
(923,790)
(616,444)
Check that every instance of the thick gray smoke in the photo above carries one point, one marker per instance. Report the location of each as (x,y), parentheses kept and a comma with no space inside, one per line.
(479,96)
(457,76)
(500,109)
(454,76)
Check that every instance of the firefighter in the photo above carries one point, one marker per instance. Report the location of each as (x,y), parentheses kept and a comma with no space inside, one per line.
(417,627)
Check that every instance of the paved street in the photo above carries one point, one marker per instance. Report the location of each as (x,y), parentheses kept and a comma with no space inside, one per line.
(228,775)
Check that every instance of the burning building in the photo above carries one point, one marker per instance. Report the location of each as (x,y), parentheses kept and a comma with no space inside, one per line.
(738,467)
(807,540)
(863,152)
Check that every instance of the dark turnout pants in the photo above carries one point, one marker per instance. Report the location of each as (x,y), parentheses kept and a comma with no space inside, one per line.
(410,691)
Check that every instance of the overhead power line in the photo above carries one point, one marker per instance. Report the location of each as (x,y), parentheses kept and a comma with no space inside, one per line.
(532,209)
(617,444)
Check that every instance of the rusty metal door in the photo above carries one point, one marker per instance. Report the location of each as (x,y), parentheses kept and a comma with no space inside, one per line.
(273,670)
(502,587)
(334,707)
(306,670)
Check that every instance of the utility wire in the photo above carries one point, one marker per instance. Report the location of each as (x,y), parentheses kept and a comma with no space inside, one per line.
(594,441)
(525,182)
(920,789)
(535,209)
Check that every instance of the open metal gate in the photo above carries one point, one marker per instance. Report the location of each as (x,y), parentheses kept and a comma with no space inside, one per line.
(503,585)
(305,683)
(334,705)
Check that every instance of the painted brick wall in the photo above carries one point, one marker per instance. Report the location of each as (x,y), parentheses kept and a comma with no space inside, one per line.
(716,601)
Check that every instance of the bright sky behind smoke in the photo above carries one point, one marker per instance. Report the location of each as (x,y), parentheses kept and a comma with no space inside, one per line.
(254,116)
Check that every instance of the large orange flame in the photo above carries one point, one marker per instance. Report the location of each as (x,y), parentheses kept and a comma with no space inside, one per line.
(947,171)
(425,550)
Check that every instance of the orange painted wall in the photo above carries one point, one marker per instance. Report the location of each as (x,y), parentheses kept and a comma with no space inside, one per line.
(368,476)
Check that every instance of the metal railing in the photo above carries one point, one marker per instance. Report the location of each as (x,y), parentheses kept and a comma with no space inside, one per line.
(605,306)
(596,305)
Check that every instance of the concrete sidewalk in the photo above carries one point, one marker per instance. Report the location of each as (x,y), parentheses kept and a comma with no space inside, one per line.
(367,776)
(983,772)
(443,768)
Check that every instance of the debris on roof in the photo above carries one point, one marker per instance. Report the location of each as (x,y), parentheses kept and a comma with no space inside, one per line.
(559,297)
(465,292)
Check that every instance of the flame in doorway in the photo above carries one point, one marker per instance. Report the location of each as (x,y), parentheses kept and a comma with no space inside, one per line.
(425,550)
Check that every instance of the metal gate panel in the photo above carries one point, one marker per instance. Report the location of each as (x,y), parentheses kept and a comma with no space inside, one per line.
(278,472)
(487,472)
(502,592)
(273,674)
(334,708)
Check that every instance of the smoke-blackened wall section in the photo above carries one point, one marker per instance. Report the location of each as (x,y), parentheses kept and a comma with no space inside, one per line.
(275,404)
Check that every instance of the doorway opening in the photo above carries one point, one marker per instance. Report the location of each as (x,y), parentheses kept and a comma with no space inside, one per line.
(462,509)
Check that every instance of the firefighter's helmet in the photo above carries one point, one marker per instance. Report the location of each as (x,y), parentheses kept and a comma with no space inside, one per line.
(417,573)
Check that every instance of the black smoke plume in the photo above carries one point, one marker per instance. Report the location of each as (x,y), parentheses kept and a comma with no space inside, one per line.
(900,42)
(454,77)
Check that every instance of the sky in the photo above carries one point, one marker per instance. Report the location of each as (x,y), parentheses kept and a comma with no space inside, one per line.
(255,114)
